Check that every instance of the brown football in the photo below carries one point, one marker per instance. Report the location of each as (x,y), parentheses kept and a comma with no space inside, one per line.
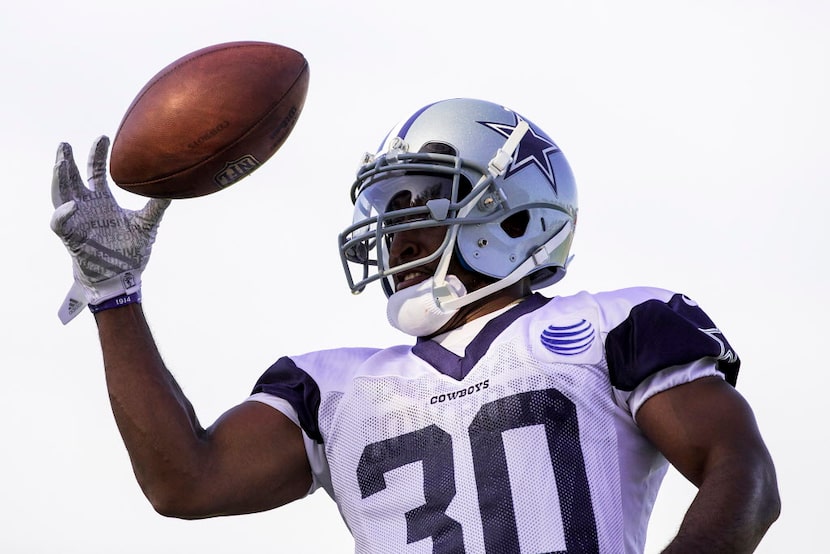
(209,119)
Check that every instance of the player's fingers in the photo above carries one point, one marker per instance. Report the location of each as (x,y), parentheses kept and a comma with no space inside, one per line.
(65,186)
(57,193)
(97,164)
(64,153)
(66,180)
(153,210)
(61,214)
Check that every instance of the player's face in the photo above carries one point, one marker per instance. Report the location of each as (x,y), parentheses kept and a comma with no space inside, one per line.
(417,243)
(413,244)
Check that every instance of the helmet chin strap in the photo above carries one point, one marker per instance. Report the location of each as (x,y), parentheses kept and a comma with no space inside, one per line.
(448,301)
(414,310)
(422,309)
(445,296)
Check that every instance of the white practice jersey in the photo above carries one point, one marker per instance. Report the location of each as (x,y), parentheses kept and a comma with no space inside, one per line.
(526,444)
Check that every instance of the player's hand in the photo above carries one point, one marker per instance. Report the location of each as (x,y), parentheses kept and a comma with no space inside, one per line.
(109,245)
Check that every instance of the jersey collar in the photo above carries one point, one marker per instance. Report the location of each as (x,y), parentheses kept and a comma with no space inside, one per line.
(459,367)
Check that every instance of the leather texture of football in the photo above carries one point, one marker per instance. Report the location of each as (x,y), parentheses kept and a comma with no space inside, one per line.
(209,119)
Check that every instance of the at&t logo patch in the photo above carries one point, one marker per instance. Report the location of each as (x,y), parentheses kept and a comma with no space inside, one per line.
(569,340)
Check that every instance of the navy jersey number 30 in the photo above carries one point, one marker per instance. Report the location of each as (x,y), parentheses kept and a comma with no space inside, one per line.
(433,447)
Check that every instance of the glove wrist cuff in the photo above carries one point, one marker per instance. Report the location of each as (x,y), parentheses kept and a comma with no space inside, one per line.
(81,294)
(116,302)
(126,283)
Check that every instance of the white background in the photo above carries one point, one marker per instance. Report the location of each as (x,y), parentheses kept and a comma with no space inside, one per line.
(697,132)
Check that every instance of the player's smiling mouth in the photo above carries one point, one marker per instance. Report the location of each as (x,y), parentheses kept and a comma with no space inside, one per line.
(409,278)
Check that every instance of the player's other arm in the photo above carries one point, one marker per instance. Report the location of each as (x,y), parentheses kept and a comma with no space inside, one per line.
(251,459)
(707,430)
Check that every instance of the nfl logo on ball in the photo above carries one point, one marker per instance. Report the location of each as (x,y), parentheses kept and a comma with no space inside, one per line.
(235,170)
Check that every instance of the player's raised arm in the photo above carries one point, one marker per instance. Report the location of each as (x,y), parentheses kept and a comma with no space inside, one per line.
(707,430)
(253,457)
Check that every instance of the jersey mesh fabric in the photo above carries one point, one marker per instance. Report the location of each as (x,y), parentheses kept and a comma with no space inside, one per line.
(525,446)
(503,440)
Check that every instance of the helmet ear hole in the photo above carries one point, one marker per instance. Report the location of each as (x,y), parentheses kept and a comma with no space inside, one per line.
(516,225)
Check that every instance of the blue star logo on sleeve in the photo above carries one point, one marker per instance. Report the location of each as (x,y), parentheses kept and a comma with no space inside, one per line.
(535,148)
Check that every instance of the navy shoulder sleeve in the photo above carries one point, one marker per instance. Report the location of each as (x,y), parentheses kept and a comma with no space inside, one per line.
(659,334)
(287,381)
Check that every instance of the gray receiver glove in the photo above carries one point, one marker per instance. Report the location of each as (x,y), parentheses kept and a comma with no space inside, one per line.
(109,245)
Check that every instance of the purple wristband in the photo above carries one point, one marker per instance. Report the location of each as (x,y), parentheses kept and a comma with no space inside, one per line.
(116,302)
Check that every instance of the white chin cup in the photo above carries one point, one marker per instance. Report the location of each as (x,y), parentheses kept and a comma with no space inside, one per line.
(415,311)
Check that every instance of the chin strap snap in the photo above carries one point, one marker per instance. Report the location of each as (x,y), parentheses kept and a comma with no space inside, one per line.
(504,156)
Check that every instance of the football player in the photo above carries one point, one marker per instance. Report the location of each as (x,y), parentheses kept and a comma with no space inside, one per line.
(515,423)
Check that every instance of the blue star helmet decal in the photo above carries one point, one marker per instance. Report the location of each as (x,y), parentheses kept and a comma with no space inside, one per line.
(535,148)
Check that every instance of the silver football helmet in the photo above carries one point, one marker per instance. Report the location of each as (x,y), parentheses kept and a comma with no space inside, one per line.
(508,198)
